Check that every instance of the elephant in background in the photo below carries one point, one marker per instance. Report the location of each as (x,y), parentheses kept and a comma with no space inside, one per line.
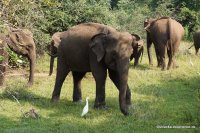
(196,39)
(96,48)
(166,35)
(21,42)
(138,49)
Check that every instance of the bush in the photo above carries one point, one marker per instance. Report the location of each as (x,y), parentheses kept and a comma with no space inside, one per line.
(45,17)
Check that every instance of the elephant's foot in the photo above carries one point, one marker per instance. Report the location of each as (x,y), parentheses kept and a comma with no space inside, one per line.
(124,109)
(77,100)
(77,97)
(100,105)
(55,98)
(175,66)
(29,84)
(163,68)
(159,65)
(151,64)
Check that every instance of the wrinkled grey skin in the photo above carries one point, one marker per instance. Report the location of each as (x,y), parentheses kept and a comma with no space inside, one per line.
(138,49)
(96,48)
(166,35)
(21,42)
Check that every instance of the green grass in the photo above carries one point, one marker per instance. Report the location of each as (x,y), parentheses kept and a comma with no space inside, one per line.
(160,98)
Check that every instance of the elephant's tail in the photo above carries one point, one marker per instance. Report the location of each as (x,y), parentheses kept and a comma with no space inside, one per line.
(169,42)
(191,46)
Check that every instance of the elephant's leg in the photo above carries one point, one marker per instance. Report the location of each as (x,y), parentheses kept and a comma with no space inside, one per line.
(77,77)
(169,53)
(158,58)
(100,74)
(175,49)
(115,79)
(162,56)
(61,74)
(136,61)
(196,50)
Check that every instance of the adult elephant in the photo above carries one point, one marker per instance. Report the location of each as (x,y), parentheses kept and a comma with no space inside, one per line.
(166,35)
(56,39)
(21,42)
(196,39)
(96,48)
(138,49)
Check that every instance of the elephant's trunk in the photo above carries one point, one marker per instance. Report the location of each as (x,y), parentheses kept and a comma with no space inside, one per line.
(53,55)
(32,61)
(191,46)
(124,93)
(51,65)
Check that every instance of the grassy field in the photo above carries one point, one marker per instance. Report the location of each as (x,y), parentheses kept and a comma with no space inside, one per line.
(160,99)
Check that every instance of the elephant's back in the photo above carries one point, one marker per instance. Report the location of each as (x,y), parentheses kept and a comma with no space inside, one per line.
(74,46)
(165,29)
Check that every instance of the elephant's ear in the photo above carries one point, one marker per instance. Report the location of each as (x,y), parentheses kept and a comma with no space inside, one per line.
(96,45)
(56,39)
(147,28)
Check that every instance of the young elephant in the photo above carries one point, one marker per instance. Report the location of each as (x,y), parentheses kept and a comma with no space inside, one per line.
(166,35)
(21,42)
(138,49)
(96,48)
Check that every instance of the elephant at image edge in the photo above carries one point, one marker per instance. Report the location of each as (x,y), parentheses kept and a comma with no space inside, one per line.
(56,39)
(196,38)
(21,42)
(166,35)
(96,48)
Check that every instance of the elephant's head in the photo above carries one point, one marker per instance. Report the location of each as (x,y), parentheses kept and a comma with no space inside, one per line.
(114,51)
(112,48)
(138,48)
(55,42)
(21,42)
(148,23)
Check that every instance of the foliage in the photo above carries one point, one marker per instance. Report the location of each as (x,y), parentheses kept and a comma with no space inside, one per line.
(16,61)
(1,58)
(45,17)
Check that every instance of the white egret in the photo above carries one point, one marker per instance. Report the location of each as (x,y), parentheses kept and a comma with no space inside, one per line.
(86,108)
